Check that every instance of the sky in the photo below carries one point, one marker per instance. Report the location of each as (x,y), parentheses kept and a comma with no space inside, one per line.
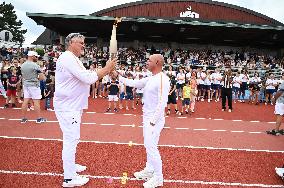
(270,8)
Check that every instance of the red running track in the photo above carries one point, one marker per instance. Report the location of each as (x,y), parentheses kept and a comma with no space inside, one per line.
(194,167)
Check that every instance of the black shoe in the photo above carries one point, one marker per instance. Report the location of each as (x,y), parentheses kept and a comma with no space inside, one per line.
(13,105)
(281,132)
(273,132)
(6,106)
(24,120)
(108,110)
(115,110)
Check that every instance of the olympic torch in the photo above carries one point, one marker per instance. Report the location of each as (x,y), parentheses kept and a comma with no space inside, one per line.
(113,41)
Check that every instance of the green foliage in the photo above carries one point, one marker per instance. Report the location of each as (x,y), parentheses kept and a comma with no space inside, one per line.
(8,21)
(40,51)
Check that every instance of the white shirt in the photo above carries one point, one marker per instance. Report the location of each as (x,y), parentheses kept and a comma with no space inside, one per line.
(216,78)
(72,83)
(155,94)
(236,81)
(271,83)
(207,81)
(180,78)
(202,78)
(244,77)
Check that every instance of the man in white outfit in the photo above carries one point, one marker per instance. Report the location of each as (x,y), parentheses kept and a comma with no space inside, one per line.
(155,96)
(72,86)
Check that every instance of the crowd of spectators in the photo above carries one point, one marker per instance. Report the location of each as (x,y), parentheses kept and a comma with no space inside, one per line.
(180,65)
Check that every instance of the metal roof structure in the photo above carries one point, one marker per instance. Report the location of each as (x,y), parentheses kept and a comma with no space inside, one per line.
(165,30)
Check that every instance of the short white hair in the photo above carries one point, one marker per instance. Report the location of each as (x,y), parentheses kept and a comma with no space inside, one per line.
(72,36)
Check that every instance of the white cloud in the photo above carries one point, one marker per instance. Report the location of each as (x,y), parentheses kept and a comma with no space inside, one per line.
(271,8)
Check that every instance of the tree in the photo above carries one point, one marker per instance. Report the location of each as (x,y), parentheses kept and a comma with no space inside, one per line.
(8,21)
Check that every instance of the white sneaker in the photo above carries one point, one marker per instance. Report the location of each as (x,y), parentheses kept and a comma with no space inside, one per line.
(208,100)
(153,182)
(144,174)
(229,110)
(280,172)
(80,168)
(76,181)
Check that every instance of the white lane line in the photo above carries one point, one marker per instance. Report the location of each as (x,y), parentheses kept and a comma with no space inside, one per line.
(237,120)
(219,130)
(15,119)
(2,118)
(127,125)
(127,143)
(272,122)
(200,129)
(108,113)
(91,112)
(200,118)
(182,128)
(181,117)
(89,123)
(218,119)
(254,121)
(255,132)
(237,131)
(166,127)
(107,124)
(127,114)
(134,179)
(52,121)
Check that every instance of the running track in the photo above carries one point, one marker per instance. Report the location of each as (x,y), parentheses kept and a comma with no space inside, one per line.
(207,149)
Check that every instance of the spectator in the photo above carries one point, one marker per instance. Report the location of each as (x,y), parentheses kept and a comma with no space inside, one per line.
(185,97)
(32,74)
(113,87)
(12,82)
(226,91)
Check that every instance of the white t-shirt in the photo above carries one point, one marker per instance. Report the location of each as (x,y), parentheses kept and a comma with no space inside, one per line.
(155,94)
(202,78)
(182,77)
(270,83)
(236,81)
(216,78)
(244,77)
(72,83)
(207,81)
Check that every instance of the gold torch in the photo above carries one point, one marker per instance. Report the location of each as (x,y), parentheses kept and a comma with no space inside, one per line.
(113,41)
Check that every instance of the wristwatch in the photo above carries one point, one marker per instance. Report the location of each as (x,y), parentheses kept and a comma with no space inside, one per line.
(153,124)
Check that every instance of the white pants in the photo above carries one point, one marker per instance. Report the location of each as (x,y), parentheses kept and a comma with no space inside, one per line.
(151,138)
(70,126)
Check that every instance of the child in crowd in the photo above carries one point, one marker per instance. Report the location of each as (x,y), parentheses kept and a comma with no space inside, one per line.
(129,93)
(48,94)
(113,89)
(172,95)
(139,92)
(12,81)
(185,97)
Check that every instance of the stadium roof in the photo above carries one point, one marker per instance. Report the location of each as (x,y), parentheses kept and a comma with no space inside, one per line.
(171,30)
(208,2)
